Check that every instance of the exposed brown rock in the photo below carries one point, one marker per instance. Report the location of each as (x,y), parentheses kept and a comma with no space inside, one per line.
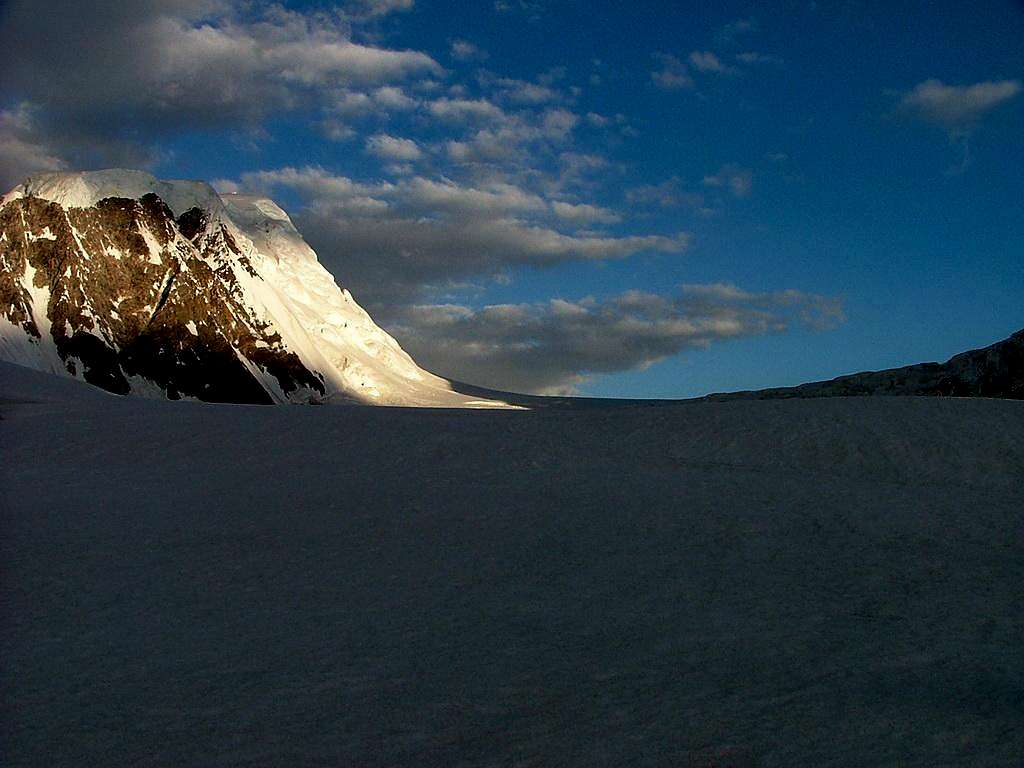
(172,314)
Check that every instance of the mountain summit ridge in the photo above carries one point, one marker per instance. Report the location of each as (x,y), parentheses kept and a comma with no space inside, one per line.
(169,288)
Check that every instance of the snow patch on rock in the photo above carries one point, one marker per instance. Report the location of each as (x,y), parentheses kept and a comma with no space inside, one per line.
(281,283)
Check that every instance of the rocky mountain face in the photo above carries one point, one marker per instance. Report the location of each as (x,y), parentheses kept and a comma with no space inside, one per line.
(165,288)
(995,371)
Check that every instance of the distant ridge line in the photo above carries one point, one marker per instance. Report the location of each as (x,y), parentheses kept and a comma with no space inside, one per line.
(995,371)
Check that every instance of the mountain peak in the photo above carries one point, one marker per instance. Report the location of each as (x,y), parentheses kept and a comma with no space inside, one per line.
(164,287)
(83,189)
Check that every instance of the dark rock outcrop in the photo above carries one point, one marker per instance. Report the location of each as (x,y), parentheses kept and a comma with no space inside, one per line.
(135,292)
(995,371)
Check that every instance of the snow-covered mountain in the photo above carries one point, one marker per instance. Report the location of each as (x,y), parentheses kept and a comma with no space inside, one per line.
(167,288)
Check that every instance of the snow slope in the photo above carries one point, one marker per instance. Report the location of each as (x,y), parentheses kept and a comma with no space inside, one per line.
(287,300)
(831,582)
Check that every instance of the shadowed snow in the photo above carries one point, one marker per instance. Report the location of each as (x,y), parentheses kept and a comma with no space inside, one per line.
(827,582)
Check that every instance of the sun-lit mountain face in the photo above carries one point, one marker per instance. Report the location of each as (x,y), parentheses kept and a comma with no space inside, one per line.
(165,288)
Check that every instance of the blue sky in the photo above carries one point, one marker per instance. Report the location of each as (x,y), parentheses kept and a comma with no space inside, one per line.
(645,199)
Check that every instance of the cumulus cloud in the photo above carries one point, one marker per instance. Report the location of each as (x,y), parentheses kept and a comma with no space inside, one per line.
(584,213)
(347,106)
(324,190)
(393,98)
(958,108)
(313,59)
(735,178)
(335,130)
(109,71)
(508,137)
(463,110)
(463,50)
(552,347)
(672,74)
(114,79)
(448,196)
(520,92)
(391,259)
(392,148)
(187,60)
(706,61)
(481,178)
(557,123)
(373,8)
(393,241)
(576,165)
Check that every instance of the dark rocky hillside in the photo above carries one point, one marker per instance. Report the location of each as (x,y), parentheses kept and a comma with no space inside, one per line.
(995,371)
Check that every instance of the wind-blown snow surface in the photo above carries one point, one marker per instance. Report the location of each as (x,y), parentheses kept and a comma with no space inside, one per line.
(784,583)
(284,294)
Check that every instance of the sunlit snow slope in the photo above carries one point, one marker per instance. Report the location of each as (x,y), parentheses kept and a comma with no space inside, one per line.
(166,288)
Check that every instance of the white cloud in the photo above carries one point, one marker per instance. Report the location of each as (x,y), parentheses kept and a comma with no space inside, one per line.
(584,213)
(463,110)
(393,98)
(737,179)
(392,148)
(498,146)
(381,102)
(552,347)
(958,108)
(353,104)
(706,61)
(523,92)
(447,196)
(324,190)
(119,77)
(578,163)
(557,123)
(283,47)
(463,50)
(400,169)
(371,8)
(108,72)
(393,258)
(577,171)
(396,240)
(506,141)
(323,62)
(335,130)
(672,75)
